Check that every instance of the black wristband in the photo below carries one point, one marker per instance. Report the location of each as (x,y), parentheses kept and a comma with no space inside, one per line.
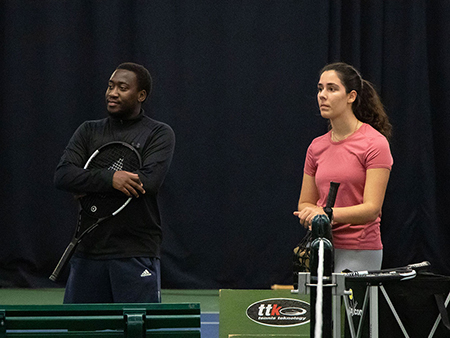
(329,212)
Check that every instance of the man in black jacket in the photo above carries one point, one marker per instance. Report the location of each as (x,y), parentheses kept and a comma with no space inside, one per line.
(119,260)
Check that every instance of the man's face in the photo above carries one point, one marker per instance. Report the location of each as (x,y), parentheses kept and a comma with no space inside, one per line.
(123,98)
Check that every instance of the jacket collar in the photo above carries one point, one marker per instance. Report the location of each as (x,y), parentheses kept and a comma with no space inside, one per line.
(127,122)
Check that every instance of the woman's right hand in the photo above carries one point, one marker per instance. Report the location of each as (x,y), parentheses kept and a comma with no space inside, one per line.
(307,214)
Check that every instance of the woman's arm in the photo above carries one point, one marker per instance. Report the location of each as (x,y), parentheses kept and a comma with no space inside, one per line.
(369,210)
(307,203)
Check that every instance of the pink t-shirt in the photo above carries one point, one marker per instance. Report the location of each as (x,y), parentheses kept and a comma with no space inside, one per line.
(346,162)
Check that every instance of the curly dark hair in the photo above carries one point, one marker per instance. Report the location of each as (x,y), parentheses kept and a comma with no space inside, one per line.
(367,107)
(143,76)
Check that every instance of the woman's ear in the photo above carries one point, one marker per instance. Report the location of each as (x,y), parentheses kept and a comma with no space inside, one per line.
(352,96)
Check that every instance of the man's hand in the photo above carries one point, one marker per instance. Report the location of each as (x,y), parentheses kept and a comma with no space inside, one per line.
(128,183)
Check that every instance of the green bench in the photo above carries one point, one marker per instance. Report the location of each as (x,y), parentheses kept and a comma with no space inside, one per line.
(101,320)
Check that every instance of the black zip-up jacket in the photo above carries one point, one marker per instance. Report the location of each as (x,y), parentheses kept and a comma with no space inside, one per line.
(136,230)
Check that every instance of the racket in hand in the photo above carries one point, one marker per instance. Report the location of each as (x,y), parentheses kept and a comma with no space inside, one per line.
(113,156)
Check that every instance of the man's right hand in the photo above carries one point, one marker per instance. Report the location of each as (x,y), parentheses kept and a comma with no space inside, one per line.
(128,183)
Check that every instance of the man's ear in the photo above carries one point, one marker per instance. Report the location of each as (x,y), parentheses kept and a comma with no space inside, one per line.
(142,95)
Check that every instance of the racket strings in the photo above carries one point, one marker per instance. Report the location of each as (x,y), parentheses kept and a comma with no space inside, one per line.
(115,157)
(118,165)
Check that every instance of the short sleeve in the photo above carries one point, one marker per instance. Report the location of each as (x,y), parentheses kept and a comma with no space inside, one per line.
(379,154)
(310,167)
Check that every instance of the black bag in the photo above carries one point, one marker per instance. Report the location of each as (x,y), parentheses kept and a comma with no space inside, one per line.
(418,303)
(302,255)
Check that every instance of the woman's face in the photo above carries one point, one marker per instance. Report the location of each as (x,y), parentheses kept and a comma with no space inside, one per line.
(332,97)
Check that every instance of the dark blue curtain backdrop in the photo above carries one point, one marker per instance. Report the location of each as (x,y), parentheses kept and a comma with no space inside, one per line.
(237,82)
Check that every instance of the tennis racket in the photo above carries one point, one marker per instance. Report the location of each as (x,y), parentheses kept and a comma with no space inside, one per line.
(378,276)
(113,156)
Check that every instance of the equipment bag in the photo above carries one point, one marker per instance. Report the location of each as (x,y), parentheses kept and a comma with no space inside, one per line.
(419,302)
(301,257)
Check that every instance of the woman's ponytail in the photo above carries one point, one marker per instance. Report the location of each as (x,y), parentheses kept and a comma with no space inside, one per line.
(369,109)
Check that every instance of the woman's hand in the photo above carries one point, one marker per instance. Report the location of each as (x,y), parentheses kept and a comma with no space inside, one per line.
(307,214)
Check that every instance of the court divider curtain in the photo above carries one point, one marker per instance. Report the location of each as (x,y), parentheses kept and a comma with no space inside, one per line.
(237,82)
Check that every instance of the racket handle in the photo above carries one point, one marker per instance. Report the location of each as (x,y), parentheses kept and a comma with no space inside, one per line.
(63,261)
(420,266)
(331,199)
(332,194)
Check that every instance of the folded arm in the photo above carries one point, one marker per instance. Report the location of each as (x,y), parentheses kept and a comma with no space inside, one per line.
(369,210)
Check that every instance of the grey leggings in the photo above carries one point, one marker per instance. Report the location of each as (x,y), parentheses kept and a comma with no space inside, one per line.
(357,260)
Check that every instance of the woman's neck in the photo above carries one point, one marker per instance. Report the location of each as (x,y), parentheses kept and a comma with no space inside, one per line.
(342,129)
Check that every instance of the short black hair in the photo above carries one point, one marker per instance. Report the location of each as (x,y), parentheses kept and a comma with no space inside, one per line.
(143,76)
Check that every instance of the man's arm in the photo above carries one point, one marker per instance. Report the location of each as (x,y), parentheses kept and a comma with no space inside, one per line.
(70,174)
(156,157)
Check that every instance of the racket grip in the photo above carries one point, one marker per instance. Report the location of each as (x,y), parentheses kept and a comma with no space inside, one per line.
(63,261)
(420,266)
(332,194)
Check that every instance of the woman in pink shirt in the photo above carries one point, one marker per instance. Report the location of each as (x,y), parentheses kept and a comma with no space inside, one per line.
(355,153)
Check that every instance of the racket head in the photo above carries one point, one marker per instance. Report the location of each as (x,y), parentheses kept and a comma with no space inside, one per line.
(113,156)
